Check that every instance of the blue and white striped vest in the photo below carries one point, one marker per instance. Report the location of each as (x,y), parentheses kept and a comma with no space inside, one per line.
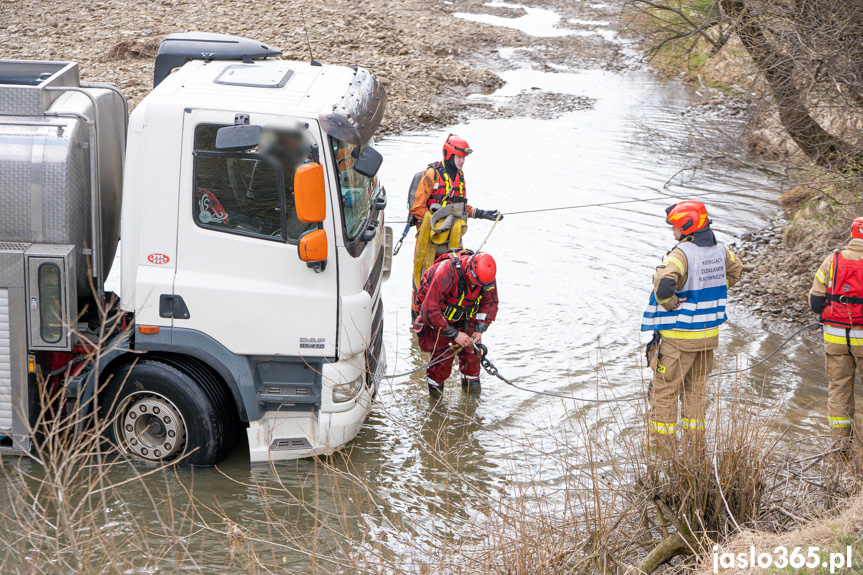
(705,292)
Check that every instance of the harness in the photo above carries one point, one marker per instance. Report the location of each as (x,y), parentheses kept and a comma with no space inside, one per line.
(459,306)
(844,303)
(446,190)
(458,310)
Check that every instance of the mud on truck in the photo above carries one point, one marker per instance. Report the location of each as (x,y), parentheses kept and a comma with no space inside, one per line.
(243,198)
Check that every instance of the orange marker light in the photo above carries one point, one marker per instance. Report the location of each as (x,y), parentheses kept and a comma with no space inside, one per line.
(31,364)
(148,329)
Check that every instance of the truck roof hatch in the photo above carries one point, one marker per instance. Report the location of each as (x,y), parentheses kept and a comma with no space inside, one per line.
(177,49)
(255,76)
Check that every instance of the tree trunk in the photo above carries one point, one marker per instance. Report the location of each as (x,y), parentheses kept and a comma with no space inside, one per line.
(822,147)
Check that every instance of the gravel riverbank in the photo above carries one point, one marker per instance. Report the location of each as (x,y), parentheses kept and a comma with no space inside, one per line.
(768,288)
(429,59)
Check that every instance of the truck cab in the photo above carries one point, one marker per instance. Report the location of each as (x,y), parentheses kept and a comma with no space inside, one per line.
(252,255)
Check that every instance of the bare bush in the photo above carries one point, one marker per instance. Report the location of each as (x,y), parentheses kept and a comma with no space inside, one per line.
(806,52)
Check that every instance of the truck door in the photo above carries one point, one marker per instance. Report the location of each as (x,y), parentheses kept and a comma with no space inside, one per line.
(238,269)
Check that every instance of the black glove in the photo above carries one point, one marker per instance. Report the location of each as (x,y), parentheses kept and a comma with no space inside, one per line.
(450,332)
(487,215)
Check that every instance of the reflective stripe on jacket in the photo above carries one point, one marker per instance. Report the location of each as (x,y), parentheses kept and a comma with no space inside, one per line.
(843,335)
(705,293)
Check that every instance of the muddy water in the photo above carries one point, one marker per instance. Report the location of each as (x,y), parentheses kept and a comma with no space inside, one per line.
(573,283)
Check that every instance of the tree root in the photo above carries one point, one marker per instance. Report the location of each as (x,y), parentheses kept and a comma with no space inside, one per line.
(668,549)
(681,543)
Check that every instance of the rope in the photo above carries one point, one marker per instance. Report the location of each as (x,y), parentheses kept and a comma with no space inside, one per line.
(783,344)
(631,201)
(656,198)
(496,220)
(453,351)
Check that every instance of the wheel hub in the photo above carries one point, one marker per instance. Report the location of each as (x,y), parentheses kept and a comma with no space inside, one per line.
(150,426)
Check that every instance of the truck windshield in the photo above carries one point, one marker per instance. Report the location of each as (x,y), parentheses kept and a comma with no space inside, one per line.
(356,189)
(239,192)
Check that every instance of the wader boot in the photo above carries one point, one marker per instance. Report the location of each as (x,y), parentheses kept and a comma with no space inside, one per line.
(470,384)
(435,389)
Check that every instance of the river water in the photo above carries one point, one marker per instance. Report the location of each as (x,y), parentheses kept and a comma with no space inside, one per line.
(573,284)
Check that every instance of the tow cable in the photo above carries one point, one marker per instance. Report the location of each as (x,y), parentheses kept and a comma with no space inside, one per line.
(492,370)
(772,353)
(453,350)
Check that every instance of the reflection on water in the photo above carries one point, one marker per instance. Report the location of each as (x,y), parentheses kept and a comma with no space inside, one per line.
(573,286)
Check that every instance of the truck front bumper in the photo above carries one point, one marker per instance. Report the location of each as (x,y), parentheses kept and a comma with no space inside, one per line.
(287,435)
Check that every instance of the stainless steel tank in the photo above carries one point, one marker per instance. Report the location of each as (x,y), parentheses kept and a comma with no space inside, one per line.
(62,144)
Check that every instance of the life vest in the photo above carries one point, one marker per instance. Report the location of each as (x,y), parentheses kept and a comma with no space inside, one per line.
(446,190)
(705,292)
(844,301)
(461,303)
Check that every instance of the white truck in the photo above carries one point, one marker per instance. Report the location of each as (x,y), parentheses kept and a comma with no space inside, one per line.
(253,250)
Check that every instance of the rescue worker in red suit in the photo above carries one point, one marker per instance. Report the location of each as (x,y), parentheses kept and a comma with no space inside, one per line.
(457,301)
(837,295)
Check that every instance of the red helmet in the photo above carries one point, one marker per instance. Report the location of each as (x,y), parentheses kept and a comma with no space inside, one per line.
(481,269)
(857,228)
(689,215)
(455,145)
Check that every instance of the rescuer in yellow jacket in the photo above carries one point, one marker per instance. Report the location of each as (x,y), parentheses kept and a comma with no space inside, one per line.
(686,307)
(837,295)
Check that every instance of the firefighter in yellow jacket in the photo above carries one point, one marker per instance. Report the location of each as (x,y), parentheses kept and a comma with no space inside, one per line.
(686,308)
(837,294)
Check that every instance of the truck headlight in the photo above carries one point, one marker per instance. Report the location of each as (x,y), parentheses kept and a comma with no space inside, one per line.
(347,391)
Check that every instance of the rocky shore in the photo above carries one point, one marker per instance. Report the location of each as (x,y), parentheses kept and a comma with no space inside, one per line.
(768,288)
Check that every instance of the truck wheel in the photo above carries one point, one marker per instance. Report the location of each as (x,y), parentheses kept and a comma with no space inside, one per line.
(158,413)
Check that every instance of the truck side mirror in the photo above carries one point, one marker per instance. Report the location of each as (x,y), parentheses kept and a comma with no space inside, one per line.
(238,138)
(313,248)
(310,196)
(368,162)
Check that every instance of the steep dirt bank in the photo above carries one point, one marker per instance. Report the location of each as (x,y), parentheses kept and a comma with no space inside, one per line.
(428,59)
(832,535)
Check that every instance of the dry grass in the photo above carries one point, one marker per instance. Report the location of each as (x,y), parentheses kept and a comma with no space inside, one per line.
(133,48)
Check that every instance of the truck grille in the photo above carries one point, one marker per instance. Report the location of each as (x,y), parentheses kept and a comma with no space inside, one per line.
(5,363)
(375,275)
(13,247)
(290,444)
(286,390)
(374,351)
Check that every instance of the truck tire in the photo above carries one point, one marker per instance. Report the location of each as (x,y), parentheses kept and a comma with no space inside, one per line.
(162,411)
